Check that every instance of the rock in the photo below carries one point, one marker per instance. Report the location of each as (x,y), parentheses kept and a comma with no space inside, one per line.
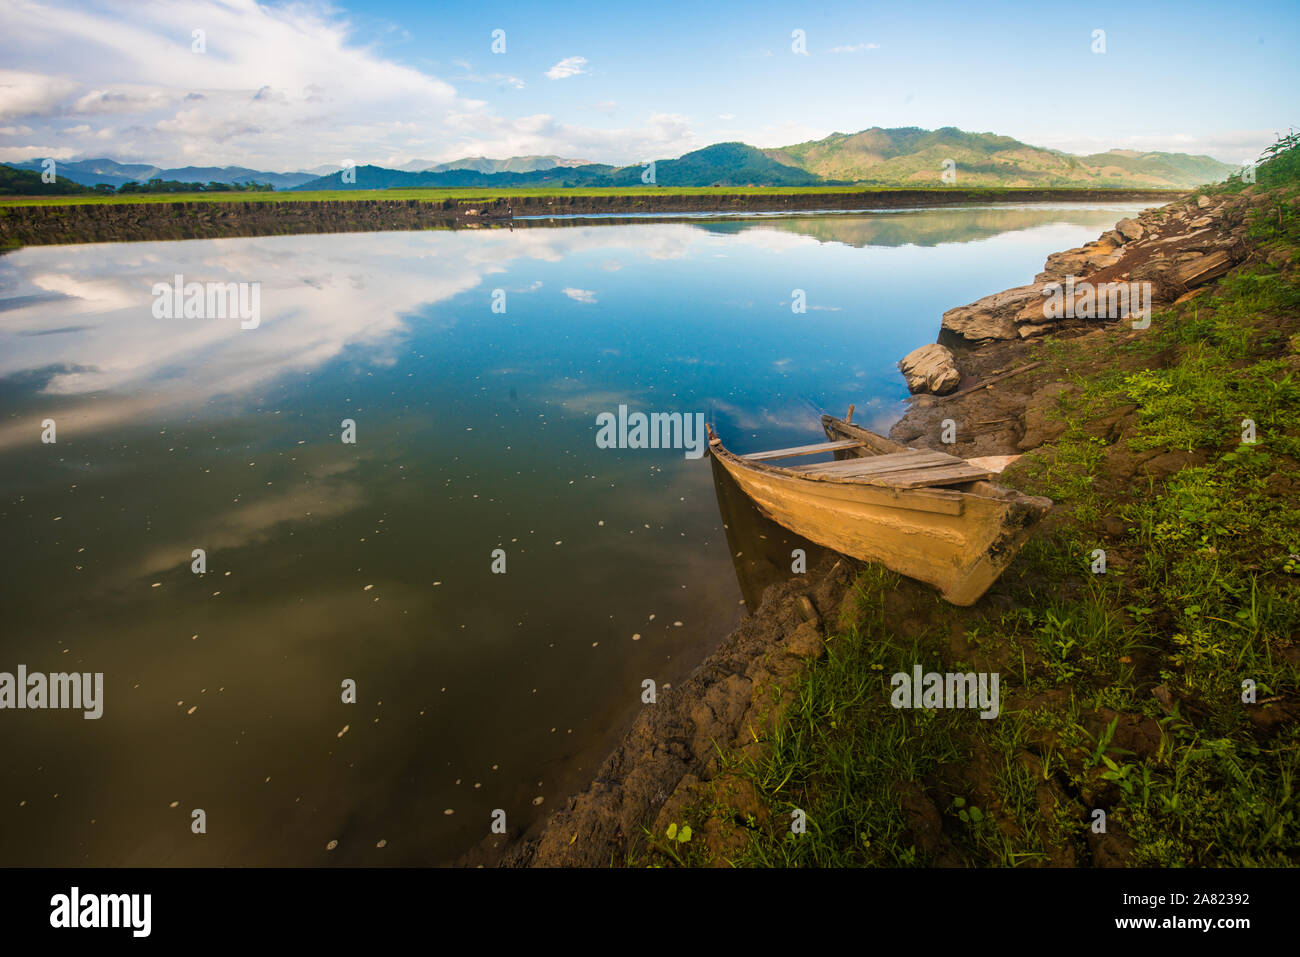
(1202,202)
(806,642)
(1081,261)
(1204,268)
(994,463)
(924,825)
(1165,464)
(809,611)
(850,613)
(992,317)
(1130,229)
(717,716)
(1039,427)
(1279,257)
(1111,426)
(930,369)
(1112,849)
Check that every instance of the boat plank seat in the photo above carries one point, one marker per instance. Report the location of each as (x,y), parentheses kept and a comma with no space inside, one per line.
(932,477)
(911,459)
(914,468)
(804,450)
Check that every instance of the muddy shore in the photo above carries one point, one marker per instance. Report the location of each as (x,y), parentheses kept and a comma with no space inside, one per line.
(52,224)
(729,701)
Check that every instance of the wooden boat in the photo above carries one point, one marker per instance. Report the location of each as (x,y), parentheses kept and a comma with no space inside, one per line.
(924,514)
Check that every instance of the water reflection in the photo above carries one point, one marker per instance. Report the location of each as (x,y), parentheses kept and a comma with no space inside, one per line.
(372,562)
(762,552)
(930,227)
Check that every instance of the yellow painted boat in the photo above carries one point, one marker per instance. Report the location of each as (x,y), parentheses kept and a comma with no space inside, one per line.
(924,514)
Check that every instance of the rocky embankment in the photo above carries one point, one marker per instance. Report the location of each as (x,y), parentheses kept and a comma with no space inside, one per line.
(1171,250)
(50,223)
(981,373)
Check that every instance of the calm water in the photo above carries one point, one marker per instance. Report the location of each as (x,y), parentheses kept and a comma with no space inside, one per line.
(372,562)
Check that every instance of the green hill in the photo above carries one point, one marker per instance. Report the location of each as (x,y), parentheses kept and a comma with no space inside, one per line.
(26,182)
(909,156)
(724,164)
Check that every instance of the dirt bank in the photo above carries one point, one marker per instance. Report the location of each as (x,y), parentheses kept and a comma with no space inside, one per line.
(51,224)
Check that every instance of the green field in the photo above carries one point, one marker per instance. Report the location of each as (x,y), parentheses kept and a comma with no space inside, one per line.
(483,194)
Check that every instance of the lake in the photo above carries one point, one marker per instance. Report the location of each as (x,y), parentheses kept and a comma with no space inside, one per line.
(370,562)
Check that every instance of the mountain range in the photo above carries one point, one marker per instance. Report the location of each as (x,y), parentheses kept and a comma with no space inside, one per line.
(91,172)
(905,156)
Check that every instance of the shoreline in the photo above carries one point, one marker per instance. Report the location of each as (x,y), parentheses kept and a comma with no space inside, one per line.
(682,760)
(737,692)
(62,223)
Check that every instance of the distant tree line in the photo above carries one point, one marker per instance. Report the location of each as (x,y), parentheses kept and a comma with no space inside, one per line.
(175,186)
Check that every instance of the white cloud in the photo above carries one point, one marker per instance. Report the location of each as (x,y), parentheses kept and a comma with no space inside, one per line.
(17,154)
(120,101)
(855,48)
(280,88)
(581,295)
(30,94)
(569,66)
(275,81)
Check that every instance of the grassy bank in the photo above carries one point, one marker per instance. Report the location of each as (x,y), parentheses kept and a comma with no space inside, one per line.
(1122,691)
(479,194)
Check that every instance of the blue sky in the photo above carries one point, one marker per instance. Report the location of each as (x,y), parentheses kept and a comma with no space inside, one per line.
(389,81)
